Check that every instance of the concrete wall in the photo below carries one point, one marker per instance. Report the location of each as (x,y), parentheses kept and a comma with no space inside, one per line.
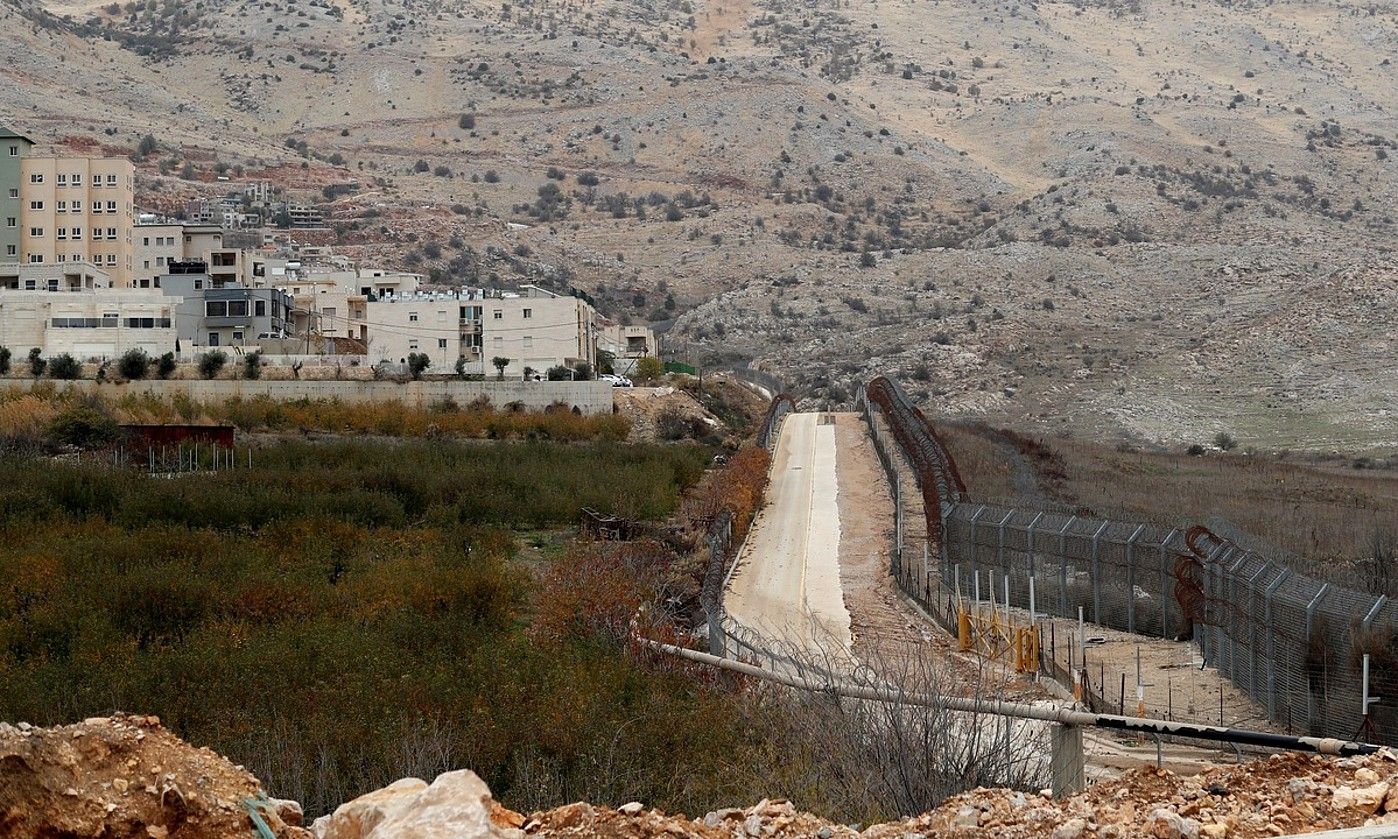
(588,397)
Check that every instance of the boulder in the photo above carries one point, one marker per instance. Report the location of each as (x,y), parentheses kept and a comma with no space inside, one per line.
(457,805)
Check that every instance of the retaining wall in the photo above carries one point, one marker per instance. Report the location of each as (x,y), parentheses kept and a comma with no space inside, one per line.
(587,397)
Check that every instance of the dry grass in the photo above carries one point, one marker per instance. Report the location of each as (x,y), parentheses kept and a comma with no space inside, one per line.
(1317,510)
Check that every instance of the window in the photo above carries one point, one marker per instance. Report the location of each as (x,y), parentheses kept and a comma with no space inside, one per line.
(441,343)
(442,315)
(412,343)
(111,206)
(63,233)
(329,312)
(237,308)
(77,233)
(53,284)
(36,232)
(14,151)
(529,342)
(528,313)
(498,315)
(63,206)
(63,257)
(412,317)
(36,178)
(77,179)
(145,263)
(259,308)
(62,180)
(10,250)
(111,180)
(97,206)
(11,221)
(14,192)
(145,240)
(111,259)
(159,260)
(198,284)
(213,339)
(36,205)
(216,308)
(238,337)
(111,233)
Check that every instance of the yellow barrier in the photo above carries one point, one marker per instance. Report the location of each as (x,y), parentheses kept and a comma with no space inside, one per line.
(990,634)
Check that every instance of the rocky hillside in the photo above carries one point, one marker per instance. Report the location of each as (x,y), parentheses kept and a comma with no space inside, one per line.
(128,778)
(1109,216)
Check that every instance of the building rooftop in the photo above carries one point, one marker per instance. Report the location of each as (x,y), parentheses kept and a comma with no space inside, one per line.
(8,133)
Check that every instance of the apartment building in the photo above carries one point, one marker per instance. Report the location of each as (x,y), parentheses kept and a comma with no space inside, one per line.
(158,244)
(13,148)
(627,345)
(78,209)
(533,328)
(72,308)
(227,314)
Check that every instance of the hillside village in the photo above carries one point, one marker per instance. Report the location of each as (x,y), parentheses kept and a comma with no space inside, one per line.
(93,286)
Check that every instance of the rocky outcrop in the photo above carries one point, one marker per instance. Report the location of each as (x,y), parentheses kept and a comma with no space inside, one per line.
(457,805)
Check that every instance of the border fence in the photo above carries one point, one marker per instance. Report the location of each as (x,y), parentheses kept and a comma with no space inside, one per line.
(1319,657)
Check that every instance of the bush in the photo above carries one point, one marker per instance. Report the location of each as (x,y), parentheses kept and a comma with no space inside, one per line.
(582,371)
(134,364)
(4,360)
(559,373)
(1225,441)
(252,365)
(499,362)
(83,426)
(165,367)
(649,369)
(417,363)
(211,363)
(64,366)
(37,365)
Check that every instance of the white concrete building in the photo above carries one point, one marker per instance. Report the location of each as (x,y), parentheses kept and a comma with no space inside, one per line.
(72,308)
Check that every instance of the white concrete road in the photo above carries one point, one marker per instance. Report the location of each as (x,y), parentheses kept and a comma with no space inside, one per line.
(787,582)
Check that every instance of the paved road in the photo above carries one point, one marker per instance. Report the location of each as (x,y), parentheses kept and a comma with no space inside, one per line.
(787,584)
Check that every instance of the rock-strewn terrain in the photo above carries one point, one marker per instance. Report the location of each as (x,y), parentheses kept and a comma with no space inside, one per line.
(129,778)
(1145,219)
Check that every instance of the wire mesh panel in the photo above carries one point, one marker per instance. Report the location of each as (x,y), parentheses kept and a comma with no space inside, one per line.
(1293,643)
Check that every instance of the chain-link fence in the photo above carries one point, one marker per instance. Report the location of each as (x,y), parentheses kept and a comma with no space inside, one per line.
(1294,643)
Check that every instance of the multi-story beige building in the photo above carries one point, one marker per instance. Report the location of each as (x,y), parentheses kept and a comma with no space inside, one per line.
(534,329)
(71,308)
(78,209)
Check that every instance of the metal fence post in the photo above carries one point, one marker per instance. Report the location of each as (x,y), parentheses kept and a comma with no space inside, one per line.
(972,544)
(1270,630)
(1063,567)
(1310,628)
(1097,574)
(1164,582)
(1131,578)
(1029,537)
(1253,593)
(1000,541)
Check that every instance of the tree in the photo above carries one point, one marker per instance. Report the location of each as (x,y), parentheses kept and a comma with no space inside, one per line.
(4,360)
(147,146)
(649,368)
(559,373)
(64,366)
(81,425)
(461,366)
(499,362)
(252,365)
(1225,441)
(582,371)
(37,365)
(606,361)
(134,364)
(417,363)
(165,367)
(211,362)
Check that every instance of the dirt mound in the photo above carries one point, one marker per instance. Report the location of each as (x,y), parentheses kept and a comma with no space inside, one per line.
(664,413)
(1283,794)
(126,777)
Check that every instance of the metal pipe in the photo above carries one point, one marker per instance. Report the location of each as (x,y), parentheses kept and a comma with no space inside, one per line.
(1018,710)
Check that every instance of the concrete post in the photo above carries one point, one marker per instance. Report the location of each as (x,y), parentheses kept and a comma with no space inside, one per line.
(1066,770)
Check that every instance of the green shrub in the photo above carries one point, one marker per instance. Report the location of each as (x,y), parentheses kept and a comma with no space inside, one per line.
(64,366)
(165,366)
(252,365)
(417,364)
(83,426)
(4,360)
(211,362)
(134,364)
(37,365)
